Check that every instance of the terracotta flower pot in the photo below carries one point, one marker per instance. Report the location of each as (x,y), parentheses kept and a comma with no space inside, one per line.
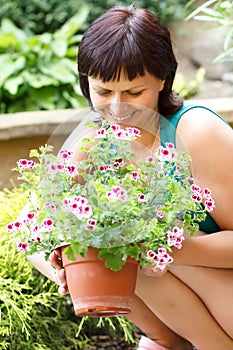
(96,290)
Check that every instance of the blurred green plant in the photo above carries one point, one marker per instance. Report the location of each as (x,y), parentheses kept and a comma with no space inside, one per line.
(166,10)
(33,316)
(188,88)
(220,13)
(39,71)
(30,308)
(40,16)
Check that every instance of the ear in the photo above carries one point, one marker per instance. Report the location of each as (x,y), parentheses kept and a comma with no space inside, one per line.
(161,85)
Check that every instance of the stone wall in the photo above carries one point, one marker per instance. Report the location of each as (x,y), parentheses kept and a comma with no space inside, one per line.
(197,44)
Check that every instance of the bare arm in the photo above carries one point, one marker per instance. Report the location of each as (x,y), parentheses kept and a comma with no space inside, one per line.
(44,266)
(213,250)
(50,268)
(209,141)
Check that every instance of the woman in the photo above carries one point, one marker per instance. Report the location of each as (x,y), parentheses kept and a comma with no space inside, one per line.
(126,63)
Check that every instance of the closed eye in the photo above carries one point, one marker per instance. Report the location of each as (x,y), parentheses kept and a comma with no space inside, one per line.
(103,92)
(138,93)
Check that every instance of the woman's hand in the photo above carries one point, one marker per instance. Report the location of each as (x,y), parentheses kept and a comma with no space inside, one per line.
(150,271)
(56,262)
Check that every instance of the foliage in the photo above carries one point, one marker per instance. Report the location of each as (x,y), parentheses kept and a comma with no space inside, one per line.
(151,199)
(40,70)
(218,12)
(40,16)
(29,304)
(33,316)
(166,10)
(188,88)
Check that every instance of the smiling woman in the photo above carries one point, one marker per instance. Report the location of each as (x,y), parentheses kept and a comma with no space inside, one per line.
(121,75)
(128,58)
(142,91)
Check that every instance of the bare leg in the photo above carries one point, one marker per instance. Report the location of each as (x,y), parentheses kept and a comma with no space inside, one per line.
(147,321)
(214,287)
(181,310)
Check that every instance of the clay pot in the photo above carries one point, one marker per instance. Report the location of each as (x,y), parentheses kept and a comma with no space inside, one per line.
(96,290)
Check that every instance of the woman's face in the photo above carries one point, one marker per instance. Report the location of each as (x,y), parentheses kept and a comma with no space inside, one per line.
(122,100)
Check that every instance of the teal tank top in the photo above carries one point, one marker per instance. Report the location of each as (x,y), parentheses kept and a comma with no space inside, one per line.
(168,134)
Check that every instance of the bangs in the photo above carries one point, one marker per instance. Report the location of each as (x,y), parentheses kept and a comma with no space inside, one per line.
(119,58)
(129,42)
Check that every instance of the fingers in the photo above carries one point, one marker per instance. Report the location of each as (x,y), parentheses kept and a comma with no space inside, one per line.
(62,291)
(60,275)
(151,271)
(55,259)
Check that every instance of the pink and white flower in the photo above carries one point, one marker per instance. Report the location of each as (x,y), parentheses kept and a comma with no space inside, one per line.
(150,159)
(161,259)
(72,169)
(117,192)
(134,175)
(114,127)
(141,197)
(22,246)
(78,206)
(47,225)
(165,154)
(65,155)
(101,133)
(134,131)
(27,164)
(175,237)
(209,204)
(91,224)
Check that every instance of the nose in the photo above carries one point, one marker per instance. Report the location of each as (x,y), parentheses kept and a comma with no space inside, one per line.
(117,105)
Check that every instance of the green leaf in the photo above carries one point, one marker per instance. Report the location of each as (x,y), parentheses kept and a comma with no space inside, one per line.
(59,47)
(8,27)
(10,66)
(134,252)
(114,262)
(12,84)
(61,70)
(73,24)
(8,40)
(73,101)
(45,97)
(39,80)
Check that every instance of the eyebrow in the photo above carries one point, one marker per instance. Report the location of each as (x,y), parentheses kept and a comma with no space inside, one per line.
(131,88)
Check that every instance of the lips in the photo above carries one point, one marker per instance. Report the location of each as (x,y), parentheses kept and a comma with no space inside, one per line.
(121,118)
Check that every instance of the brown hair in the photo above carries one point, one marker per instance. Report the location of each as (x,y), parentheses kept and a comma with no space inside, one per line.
(132,40)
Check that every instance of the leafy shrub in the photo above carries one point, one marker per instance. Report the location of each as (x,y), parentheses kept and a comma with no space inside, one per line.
(33,316)
(166,10)
(40,70)
(188,88)
(40,16)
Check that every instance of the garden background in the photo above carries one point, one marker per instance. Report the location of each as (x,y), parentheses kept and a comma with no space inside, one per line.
(39,90)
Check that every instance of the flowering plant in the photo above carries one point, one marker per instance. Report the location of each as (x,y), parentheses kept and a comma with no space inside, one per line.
(110,200)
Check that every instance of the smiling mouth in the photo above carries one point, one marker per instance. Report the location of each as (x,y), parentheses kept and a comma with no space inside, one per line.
(121,118)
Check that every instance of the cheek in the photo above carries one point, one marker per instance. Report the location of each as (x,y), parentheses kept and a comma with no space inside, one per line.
(96,99)
(151,100)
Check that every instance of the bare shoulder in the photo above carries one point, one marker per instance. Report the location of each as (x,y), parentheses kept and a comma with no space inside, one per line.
(204,123)
(209,141)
